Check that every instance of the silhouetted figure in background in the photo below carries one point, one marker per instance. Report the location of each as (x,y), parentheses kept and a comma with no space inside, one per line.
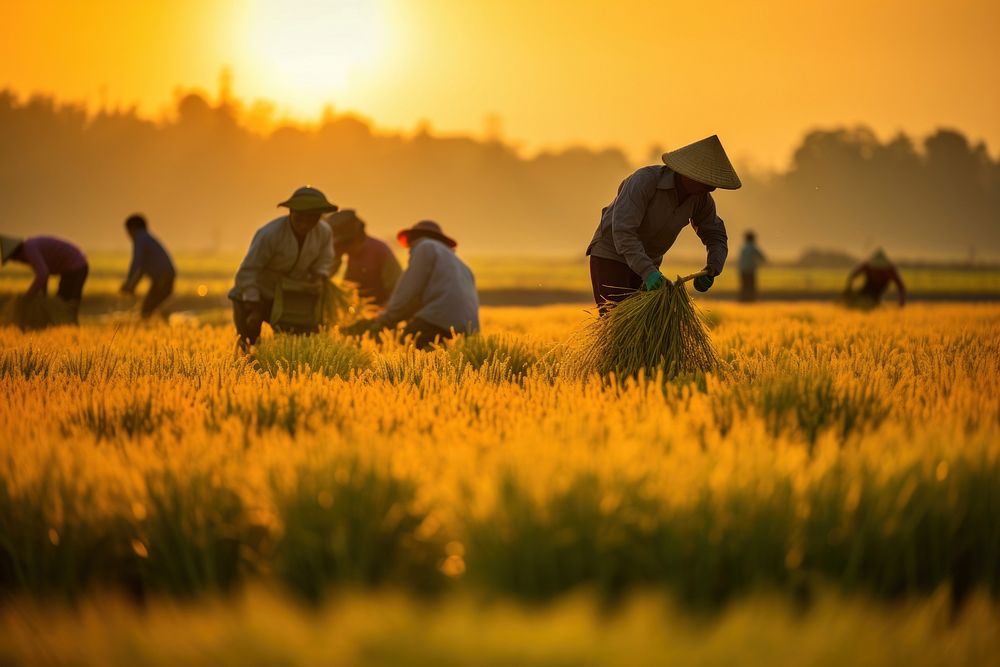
(750,260)
(652,206)
(47,256)
(879,272)
(370,263)
(149,258)
(297,247)
(436,295)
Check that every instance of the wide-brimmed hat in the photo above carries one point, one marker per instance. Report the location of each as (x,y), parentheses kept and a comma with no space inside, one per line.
(308,198)
(704,161)
(424,229)
(345,224)
(8,246)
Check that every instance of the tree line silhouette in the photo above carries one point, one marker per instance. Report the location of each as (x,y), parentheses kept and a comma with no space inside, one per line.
(206,181)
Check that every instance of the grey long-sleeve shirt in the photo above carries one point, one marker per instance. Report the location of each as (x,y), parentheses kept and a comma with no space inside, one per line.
(436,287)
(274,252)
(643,221)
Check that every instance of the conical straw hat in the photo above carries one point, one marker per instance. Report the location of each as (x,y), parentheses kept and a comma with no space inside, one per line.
(706,162)
(879,260)
(8,244)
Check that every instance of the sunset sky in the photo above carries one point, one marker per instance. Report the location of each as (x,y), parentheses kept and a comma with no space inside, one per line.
(597,73)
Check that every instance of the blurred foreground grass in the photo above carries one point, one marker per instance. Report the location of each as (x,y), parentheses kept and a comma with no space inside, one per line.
(384,630)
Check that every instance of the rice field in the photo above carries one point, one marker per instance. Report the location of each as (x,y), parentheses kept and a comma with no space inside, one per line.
(835,479)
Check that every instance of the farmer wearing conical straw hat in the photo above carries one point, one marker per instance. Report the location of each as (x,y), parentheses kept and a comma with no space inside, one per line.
(879,272)
(652,206)
(294,250)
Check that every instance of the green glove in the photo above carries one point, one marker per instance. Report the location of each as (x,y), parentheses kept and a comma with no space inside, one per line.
(654,280)
(703,283)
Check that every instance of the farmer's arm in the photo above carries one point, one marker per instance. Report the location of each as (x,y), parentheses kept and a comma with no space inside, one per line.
(248,275)
(712,232)
(33,257)
(900,289)
(628,212)
(137,267)
(405,299)
(854,274)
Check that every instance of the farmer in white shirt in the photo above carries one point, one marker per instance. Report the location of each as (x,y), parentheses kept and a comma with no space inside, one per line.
(297,246)
(436,295)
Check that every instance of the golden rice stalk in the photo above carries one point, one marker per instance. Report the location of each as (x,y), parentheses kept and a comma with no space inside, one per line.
(648,332)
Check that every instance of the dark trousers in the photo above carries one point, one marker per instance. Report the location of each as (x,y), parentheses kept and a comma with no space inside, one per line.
(612,281)
(159,291)
(71,284)
(249,331)
(424,333)
(748,286)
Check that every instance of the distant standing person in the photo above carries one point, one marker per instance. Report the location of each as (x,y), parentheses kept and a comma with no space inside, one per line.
(149,258)
(297,246)
(370,263)
(436,295)
(750,260)
(48,256)
(653,205)
(879,273)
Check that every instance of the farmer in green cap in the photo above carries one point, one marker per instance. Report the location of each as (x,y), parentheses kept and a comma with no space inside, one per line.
(292,256)
(370,263)
(653,205)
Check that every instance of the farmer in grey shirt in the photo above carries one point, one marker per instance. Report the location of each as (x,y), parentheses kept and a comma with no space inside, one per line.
(652,206)
(297,246)
(436,295)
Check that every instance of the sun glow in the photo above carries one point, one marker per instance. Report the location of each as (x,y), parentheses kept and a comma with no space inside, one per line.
(308,53)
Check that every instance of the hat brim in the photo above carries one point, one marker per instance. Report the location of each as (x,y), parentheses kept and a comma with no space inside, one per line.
(309,204)
(407,236)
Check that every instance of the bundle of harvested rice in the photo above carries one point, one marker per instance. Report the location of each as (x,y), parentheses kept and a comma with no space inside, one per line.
(648,332)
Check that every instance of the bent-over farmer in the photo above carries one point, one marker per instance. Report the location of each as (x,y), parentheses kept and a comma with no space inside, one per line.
(370,263)
(149,258)
(48,256)
(652,206)
(436,295)
(297,247)
(879,272)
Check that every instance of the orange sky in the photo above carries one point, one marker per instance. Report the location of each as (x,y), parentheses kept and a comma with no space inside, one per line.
(598,73)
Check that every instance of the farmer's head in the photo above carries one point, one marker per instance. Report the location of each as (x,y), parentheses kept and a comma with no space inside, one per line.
(750,237)
(134,224)
(348,231)
(305,207)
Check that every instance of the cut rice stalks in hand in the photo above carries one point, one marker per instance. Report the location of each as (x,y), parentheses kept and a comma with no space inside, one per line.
(648,332)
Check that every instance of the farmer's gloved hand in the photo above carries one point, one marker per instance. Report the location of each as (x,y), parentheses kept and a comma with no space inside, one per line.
(654,280)
(703,283)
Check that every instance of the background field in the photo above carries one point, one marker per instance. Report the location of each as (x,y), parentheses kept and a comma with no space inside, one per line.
(204,281)
(839,454)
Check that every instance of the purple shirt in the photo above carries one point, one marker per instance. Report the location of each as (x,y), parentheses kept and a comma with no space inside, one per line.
(374,269)
(48,255)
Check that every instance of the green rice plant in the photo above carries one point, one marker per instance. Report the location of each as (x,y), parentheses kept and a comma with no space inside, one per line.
(480,350)
(322,353)
(193,534)
(648,332)
(345,522)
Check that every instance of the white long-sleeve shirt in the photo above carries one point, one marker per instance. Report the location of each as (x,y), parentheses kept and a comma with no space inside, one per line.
(436,287)
(275,253)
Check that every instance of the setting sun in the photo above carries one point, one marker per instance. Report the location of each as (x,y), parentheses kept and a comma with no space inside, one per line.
(305,52)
